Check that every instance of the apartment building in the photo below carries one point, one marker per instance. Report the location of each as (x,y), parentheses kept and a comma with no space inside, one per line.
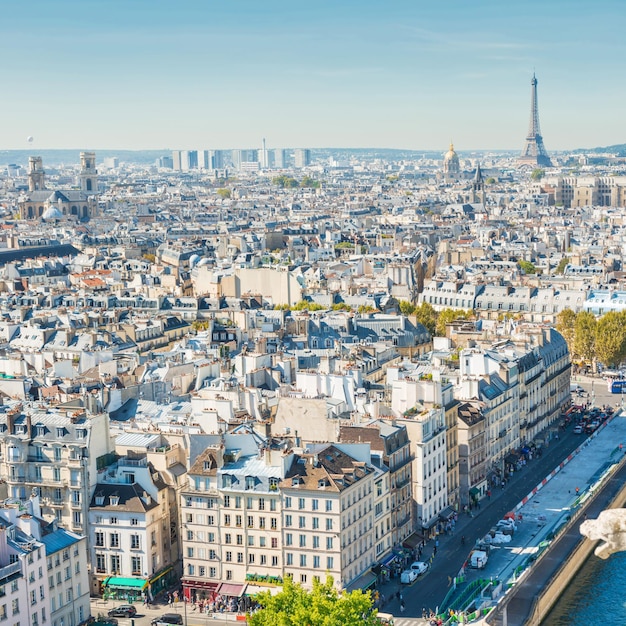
(131,529)
(57,452)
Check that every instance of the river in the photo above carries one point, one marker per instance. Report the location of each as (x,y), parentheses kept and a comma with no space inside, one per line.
(596,596)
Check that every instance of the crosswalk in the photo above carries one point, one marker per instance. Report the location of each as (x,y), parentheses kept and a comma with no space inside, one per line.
(409,621)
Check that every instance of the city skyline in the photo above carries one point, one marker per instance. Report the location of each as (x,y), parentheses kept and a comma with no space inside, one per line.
(410,75)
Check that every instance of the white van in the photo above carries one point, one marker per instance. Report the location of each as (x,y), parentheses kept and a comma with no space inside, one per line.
(478,559)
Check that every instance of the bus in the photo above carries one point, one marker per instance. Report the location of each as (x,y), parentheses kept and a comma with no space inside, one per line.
(617,385)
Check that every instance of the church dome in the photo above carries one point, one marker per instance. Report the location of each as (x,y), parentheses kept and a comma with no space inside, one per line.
(451,164)
(52,213)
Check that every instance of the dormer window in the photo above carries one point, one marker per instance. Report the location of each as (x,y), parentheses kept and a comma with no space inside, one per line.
(60,432)
(295,481)
(114,500)
(250,482)
(99,500)
(81,433)
(41,430)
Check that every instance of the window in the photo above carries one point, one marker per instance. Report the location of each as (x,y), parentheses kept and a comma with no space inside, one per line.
(229,574)
(300,503)
(251,558)
(15,606)
(115,564)
(134,542)
(289,558)
(99,542)
(287,520)
(134,521)
(228,538)
(302,541)
(329,543)
(135,563)
(227,520)
(212,572)
(329,505)
(287,502)
(274,542)
(250,482)
(238,521)
(288,539)
(329,562)
(263,560)
(100,563)
(315,504)
(273,523)
(229,556)
(227,501)
(316,542)
(329,523)
(191,569)
(114,540)
(261,522)
(301,521)
(113,520)
(316,523)
(239,557)
(316,562)
(56,474)
(202,570)
(274,561)
(261,504)
(303,560)
(239,539)
(250,521)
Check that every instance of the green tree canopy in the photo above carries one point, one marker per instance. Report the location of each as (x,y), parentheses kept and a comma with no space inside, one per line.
(427,316)
(323,606)
(309,182)
(560,268)
(611,339)
(224,193)
(308,305)
(537,174)
(527,267)
(286,182)
(449,315)
(406,307)
(566,325)
(585,330)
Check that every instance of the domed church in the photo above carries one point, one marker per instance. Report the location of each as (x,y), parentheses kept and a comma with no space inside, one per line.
(451,165)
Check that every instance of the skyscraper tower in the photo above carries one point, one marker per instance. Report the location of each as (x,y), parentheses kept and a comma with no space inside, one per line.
(534,153)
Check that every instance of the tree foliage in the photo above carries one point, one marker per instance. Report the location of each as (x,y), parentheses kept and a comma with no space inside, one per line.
(537,174)
(611,338)
(585,336)
(560,268)
(323,606)
(406,307)
(285,182)
(310,183)
(224,193)
(447,316)
(427,316)
(566,325)
(527,267)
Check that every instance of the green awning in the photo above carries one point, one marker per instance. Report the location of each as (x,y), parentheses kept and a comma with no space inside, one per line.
(474,492)
(364,581)
(117,582)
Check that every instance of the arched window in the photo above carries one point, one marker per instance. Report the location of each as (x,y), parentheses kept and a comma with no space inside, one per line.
(89,184)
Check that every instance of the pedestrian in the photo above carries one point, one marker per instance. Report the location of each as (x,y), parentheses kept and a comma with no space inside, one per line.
(401,606)
(436,543)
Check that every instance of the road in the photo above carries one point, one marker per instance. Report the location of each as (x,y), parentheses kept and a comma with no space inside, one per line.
(431,588)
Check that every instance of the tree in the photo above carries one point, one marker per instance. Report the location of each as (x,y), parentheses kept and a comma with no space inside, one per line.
(323,606)
(406,308)
(308,305)
(537,174)
(566,325)
(427,316)
(309,182)
(527,267)
(585,336)
(611,339)
(490,181)
(285,182)
(449,315)
(224,193)
(560,268)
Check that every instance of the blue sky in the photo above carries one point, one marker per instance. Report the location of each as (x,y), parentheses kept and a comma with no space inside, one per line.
(409,74)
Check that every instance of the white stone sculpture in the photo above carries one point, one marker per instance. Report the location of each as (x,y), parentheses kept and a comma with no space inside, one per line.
(610,528)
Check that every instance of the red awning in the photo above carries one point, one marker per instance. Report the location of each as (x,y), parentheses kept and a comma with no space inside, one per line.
(230,589)
(199,584)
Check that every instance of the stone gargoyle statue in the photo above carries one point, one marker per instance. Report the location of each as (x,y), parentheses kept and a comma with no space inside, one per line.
(610,529)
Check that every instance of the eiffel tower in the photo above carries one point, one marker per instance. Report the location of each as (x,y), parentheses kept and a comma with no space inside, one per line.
(534,153)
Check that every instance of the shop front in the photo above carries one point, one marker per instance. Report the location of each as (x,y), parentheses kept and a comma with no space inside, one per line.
(129,589)
(199,590)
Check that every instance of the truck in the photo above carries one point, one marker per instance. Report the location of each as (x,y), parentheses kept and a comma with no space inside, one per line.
(478,559)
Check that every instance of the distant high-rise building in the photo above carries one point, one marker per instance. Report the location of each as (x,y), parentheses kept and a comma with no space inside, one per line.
(204,159)
(176,160)
(534,153)
(166,162)
(302,157)
(263,157)
(217,159)
(189,160)
(280,158)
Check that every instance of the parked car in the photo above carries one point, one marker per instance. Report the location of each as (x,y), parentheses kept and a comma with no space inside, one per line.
(408,576)
(501,537)
(168,618)
(124,610)
(578,429)
(506,524)
(419,566)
